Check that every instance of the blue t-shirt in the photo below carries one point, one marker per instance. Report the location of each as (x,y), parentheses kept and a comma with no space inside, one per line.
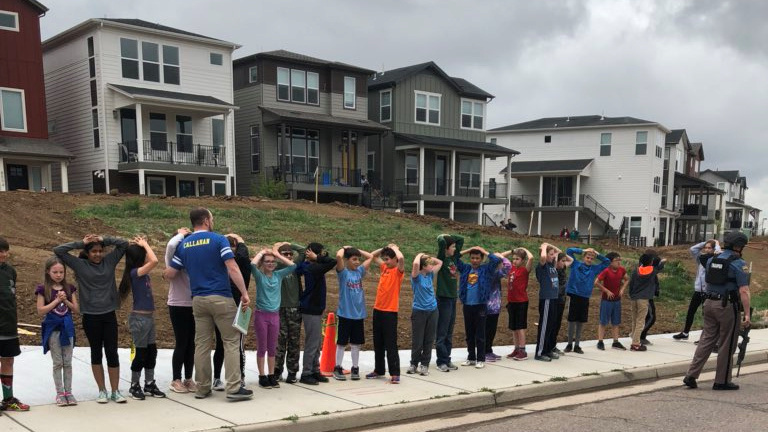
(269,289)
(142,292)
(351,294)
(473,287)
(203,255)
(424,292)
(546,274)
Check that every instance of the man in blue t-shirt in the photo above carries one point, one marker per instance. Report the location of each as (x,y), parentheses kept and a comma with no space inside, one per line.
(210,264)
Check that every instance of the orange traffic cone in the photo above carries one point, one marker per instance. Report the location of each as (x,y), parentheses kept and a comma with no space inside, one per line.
(328,354)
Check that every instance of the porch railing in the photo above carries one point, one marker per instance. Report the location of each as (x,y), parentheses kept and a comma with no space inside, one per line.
(326,176)
(172,153)
(442,187)
(588,202)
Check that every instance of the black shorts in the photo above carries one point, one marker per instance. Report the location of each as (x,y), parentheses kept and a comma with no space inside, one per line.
(351,331)
(518,315)
(578,311)
(9,347)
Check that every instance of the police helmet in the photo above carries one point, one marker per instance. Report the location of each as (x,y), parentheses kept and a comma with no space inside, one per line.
(735,239)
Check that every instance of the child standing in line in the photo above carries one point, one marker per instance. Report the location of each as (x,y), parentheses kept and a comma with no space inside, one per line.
(517,299)
(182,321)
(351,310)
(474,289)
(266,320)
(546,274)
(288,350)
(581,282)
(140,259)
(424,314)
(611,282)
(642,285)
(56,300)
(9,335)
(385,308)
(563,262)
(650,316)
(493,308)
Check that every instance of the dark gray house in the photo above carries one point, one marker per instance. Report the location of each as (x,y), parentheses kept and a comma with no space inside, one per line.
(434,159)
(303,121)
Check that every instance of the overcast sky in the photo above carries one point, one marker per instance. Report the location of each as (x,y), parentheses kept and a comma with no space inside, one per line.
(699,65)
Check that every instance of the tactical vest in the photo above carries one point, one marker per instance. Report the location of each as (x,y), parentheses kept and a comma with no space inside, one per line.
(717,270)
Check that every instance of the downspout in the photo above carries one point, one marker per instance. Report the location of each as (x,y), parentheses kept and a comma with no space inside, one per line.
(103,116)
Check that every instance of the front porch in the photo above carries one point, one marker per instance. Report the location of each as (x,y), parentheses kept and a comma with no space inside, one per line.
(33,164)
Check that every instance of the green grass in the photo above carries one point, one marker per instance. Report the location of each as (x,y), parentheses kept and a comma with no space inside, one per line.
(558,379)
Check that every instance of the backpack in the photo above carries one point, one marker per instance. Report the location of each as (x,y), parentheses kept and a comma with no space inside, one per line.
(717,270)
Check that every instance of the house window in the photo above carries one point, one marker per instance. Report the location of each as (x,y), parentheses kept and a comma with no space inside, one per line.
(635,226)
(659,152)
(255,149)
(217,133)
(171,71)
(656,184)
(313,88)
(150,61)
(95,125)
(428,108)
(370,163)
(385,105)
(721,186)
(472,115)
(219,187)
(298,86)
(158,136)
(12,110)
(547,138)
(129,53)
(411,169)
(679,161)
(253,74)
(493,141)
(666,158)
(469,173)
(349,92)
(155,186)
(9,21)
(217,59)
(283,84)
(184,133)
(304,148)
(641,143)
(605,144)
(94,93)
(91,58)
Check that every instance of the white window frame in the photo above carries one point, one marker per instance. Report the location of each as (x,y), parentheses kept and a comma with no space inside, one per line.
(416,107)
(470,172)
(157,62)
(679,161)
(382,106)
(303,86)
(608,144)
(213,55)
(162,180)
(352,95)
(252,78)
(656,184)
(638,143)
(161,62)
(23,110)
(473,105)
(16,16)
(659,152)
(635,222)
(217,182)
(277,95)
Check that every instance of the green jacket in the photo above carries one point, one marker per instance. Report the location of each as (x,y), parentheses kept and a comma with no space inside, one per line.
(291,285)
(448,276)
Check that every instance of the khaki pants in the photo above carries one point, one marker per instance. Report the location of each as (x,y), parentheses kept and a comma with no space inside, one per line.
(639,311)
(722,328)
(211,312)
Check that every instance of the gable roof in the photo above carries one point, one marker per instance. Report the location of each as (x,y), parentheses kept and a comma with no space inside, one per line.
(41,8)
(698,149)
(731,176)
(674,136)
(277,115)
(551,123)
(544,166)
(301,58)
(488,148)
(393,77)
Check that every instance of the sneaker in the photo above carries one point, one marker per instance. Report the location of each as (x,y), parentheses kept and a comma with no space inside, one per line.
(191,385)
(412,369)
(489,358)
(278,376)
(291,378)
(513,353)
(319,377)
(568,348)
(617,345)
(543,358)
(521,355)
(71,401)
(13,404)
(241,394)
(634,347)
(308,380)
(443,368)
(118,397)
(218,385)
(135,392)
(496,356)
(577,349)
(645,342)
(273,381)
(103,397)
(690,382)
(479,365)
(681,336)
(150,388)
(424,370)
(61,399)
(469,363)
(264,382)
(715,386)
(355,373)
(600,345)
(178,387)
(557,351)
(203,395)
(452,366)
(553,355)
(374,375)
(338,373)
(394,379)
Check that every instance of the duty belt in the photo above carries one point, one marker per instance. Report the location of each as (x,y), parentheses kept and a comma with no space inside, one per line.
(713,296)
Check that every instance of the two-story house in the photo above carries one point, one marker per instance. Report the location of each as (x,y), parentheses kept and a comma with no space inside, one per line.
(302,121)
(146,108)
(739,216)
(592,173)
(28,158)
(434,161)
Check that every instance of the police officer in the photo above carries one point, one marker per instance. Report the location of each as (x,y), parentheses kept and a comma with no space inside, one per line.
(727,295)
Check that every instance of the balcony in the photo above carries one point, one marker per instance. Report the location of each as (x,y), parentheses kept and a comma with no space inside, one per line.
(157,153)
(441,187)
(326,176)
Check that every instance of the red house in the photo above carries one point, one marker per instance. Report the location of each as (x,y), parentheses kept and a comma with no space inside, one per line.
(28,158)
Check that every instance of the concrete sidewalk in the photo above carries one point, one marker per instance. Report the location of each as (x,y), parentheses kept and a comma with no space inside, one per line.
(348,404)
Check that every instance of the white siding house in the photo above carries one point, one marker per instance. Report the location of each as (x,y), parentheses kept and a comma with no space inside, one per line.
(145,108)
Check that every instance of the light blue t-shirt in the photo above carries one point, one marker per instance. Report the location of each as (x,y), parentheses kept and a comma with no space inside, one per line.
(424,292)
(268,288)
(351,294)
(203,254)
